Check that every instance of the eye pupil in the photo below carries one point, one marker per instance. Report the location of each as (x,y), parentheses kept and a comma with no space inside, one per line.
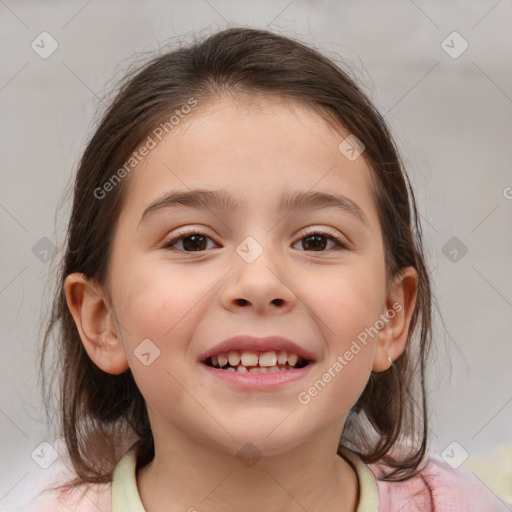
(319,241)
(196,244)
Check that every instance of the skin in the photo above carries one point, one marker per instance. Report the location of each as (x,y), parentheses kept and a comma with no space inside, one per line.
(187,302)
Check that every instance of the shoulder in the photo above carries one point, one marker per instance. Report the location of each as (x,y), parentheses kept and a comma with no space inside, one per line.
(436,487)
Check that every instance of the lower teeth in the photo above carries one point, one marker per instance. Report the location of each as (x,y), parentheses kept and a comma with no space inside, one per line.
(257,369)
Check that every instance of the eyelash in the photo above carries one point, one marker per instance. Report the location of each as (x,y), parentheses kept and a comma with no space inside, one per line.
(327,234)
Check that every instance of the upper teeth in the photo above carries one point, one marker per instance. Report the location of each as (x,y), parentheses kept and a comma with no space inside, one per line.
(241,360)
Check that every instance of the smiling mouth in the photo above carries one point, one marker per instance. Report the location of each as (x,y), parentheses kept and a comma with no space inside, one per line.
(248,361)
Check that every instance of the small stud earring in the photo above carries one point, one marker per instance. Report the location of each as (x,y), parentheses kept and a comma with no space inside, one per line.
(390,361)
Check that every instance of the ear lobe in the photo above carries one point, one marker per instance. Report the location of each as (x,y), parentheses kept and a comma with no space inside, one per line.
(400,306)
(95,323)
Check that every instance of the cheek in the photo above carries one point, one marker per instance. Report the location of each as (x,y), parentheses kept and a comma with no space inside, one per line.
(157,302)
(349,302)
(163,305)
(158,310)
(344,372)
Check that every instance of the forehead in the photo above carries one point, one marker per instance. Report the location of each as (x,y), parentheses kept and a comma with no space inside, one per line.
(255,151)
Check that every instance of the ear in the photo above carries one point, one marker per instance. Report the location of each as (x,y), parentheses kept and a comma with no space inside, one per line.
(399,308)
(95,323)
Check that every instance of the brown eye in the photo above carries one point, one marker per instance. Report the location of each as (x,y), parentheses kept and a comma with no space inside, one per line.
(314,242)
(191,242)
(318,242)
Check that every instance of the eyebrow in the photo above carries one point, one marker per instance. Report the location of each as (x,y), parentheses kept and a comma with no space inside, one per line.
(221,200)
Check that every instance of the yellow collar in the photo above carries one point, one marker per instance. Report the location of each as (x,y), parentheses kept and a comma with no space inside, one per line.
(125,496)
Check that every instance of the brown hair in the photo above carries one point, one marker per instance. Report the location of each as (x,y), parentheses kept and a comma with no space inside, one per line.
(100,412)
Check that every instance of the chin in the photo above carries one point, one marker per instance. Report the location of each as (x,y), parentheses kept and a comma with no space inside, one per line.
(262,438)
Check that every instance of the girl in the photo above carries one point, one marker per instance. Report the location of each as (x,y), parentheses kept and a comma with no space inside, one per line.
(244,310)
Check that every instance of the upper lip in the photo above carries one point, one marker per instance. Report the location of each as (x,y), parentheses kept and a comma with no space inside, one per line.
(256,344)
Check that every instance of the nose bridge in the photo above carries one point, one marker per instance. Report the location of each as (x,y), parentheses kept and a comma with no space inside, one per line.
(258,258)
(252,248)
(259,277)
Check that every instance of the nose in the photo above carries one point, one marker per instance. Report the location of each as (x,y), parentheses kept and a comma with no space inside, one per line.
(262,285)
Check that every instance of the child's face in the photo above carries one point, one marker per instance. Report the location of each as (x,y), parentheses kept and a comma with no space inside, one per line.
(304,289)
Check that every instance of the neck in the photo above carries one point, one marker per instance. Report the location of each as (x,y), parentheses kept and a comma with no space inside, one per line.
(187,475)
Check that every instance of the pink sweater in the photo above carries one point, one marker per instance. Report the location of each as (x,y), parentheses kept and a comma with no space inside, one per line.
(437,488)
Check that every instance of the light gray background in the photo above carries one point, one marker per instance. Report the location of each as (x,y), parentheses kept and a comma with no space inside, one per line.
(452,119)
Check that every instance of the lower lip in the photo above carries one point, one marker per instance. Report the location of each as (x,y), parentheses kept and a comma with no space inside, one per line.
(255,381)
